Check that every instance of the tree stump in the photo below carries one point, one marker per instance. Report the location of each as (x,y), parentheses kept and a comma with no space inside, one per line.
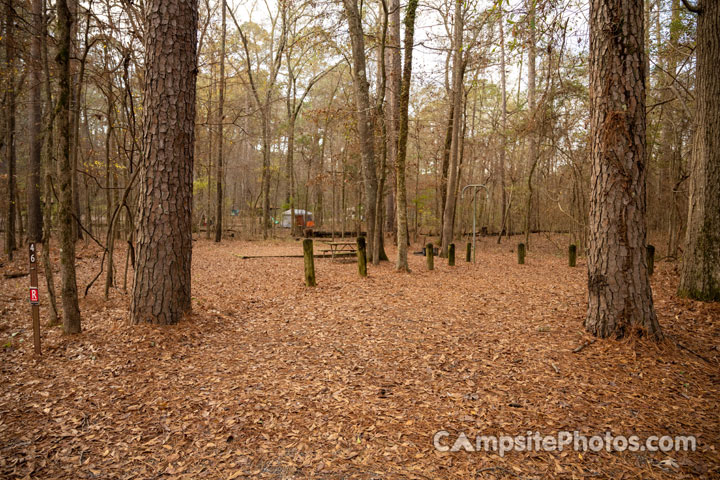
(451,255)
(572,255)
(361,257)
(521,253)
(430,254)
(309,262)
(650,253)
(468,252)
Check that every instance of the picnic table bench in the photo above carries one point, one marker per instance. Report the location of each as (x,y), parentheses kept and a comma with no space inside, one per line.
(343,247)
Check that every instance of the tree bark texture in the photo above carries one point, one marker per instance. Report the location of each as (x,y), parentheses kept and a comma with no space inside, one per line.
(363,116)
(161,292)
(700,278)
(221,117)
(402,225)
(34,186)
(69,294)
(10,240)
(458,96)
(620,298)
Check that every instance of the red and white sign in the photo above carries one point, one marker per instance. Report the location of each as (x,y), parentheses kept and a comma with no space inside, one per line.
(34,296)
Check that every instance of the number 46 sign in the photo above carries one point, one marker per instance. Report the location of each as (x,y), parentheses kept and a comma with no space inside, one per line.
(34,297)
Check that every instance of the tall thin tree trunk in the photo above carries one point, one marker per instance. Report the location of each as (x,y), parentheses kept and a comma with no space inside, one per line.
(289,167)
(364,120)
(75,103)
(402,221)
(10,240)
(49,165)
(265,181)
(34,187)
(450,199)
(620,298)
(532,121)
(71,309)
(161,289)
(700,278)
(445,167)
(392,111)
(504,207)
(221,118)
(110,270)
(210,153)
(378,252)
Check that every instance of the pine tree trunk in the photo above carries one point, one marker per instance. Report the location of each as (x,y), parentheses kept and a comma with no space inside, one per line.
(504,207)
(10,240)
(620,298)
(49,166)
(69,294)
(161,291)
(36,124)
(221,107)
(700,277)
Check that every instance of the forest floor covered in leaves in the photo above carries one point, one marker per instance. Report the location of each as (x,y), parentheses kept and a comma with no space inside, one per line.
(352,379)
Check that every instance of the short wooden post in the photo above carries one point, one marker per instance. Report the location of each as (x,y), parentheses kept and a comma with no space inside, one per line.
(521,253)
(650,252)
(468,252)
(309,262)
(430,254)
(451,255)
(361,257)
(572,255)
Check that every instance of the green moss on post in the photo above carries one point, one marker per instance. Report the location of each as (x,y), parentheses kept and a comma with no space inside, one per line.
(430,256)
(309,262)
(361,257)
(521,253)
(451,255)
(468,252)
(650,252)
(572,255)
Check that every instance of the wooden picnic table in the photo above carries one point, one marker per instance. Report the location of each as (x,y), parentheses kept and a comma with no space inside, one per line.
(340,247)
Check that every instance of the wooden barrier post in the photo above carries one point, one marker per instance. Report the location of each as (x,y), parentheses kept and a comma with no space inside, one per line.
(430,253)
(451,255)
(34,297)
(309,262)
(468,252)
(572,255)
(361,257)
(521,253)
(650,252)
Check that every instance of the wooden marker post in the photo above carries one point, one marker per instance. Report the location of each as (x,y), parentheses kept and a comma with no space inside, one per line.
(650,251)
(521,253)
(468,252)
(34,297)
(451,255)
(309,262)
(430,254)
(572,255)
(361,257)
